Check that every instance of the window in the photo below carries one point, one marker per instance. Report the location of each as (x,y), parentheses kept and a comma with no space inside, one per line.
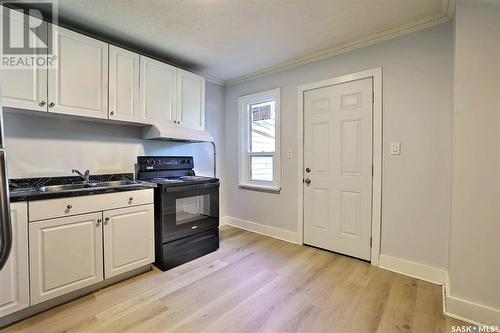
(259,133)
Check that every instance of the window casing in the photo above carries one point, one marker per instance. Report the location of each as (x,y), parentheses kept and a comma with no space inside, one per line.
(259,140)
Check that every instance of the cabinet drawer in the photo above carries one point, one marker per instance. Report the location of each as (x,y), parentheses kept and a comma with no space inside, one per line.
(47,209)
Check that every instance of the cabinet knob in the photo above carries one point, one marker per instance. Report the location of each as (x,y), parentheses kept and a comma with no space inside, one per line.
(42,103)
(106,220)
(130,199)
(99,222)
(69,207)
(51,105)
(112,113)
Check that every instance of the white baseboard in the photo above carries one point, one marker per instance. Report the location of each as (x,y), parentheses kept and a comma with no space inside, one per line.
(465,310)
(262,229)
(414,269)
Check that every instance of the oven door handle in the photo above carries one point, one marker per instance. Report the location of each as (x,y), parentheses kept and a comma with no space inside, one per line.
(191,187)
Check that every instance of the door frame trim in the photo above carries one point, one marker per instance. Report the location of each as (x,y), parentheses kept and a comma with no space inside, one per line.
(376,75)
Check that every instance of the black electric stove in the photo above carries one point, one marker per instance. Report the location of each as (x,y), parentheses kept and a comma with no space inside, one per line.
(186,209)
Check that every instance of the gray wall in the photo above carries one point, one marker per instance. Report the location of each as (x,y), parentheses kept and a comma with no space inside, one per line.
(41,145)
(417,100)
(475,229)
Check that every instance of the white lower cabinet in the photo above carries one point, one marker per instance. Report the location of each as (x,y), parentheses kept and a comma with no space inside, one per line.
(68,253)
(65,255)
(14,277)
(128,239)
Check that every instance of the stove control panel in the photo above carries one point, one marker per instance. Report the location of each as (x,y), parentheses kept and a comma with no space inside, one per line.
(160,163)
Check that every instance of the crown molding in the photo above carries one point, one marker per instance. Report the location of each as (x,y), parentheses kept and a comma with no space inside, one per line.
(212,79)
(333,51)
(448,7)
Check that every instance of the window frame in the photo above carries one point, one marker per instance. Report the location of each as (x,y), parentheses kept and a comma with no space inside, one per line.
(244,119)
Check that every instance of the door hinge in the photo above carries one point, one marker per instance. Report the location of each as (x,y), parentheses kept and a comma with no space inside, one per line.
(371,242)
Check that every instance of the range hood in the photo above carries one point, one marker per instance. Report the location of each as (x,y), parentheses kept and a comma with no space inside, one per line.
(174,133)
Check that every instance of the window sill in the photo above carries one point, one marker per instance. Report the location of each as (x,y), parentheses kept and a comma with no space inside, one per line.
(262,188)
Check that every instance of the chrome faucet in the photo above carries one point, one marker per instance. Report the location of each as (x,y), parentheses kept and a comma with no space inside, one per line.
(85,176)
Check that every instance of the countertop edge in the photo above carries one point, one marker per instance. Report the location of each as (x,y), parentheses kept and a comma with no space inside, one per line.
(36,196)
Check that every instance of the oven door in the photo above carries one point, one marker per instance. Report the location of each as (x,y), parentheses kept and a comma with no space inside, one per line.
(188,210)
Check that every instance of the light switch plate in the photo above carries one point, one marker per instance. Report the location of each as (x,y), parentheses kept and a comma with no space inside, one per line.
(395,148)
(289,154)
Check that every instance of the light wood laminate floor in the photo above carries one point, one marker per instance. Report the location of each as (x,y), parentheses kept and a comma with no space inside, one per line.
(255,284)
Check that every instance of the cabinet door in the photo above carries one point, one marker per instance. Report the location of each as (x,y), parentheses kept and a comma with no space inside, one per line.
(191,100)
(158,91)
(14,277)
(65,255)
(24,88)
(128,239)
(79,84)
(123,85)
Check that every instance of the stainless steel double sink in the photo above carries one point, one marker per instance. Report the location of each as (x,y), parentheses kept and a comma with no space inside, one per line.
(87,186)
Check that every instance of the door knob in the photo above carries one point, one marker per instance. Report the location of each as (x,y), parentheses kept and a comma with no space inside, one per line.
(308,170)
(307,181)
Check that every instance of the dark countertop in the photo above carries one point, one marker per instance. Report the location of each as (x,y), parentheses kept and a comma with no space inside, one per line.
(26,189)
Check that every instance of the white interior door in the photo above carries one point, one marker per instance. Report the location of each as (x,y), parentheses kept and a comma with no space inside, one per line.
(338,167)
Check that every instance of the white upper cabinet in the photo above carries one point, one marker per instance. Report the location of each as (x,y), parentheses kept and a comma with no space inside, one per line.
(91,78)
(24,88)
(128,239)
(158,91)
(124,85)
(14,277)
(79,84)
(191,100)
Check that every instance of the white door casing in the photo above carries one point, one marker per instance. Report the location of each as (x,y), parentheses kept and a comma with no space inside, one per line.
(338,152)
(124,85)
(79,84)
(14,277)
(24,88)
(128,239)
(65,255)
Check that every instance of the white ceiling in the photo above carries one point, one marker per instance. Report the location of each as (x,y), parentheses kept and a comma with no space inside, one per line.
(229,39)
